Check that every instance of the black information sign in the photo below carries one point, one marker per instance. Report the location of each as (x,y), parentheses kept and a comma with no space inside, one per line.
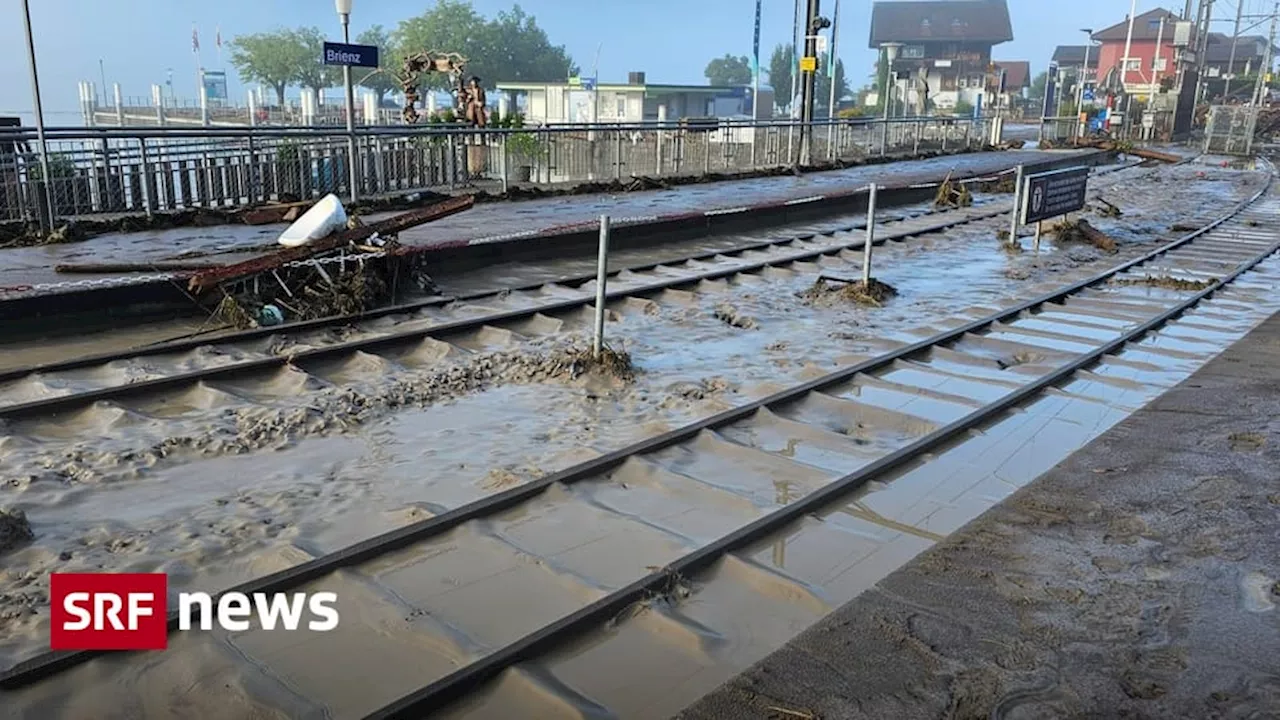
(1054,193)
(355,55)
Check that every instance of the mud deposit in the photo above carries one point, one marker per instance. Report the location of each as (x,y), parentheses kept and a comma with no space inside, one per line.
(826,293)
(233,479)
(1137,579)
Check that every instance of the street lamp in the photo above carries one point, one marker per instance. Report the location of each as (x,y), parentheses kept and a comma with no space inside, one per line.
(1084,73)
(344,12)
(890,54)
(47,217)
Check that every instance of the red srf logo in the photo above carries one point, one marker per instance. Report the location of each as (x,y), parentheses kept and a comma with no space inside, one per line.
(108,611)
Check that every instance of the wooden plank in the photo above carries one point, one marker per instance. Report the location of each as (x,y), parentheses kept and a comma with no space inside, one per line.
(391,226)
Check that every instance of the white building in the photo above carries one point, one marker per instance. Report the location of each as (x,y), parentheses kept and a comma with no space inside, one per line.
(633,102)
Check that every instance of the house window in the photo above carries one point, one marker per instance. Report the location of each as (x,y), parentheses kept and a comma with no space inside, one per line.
(622,107)
(913,52)
(1153,25)
(963,82)
(1133,64)
(924,24)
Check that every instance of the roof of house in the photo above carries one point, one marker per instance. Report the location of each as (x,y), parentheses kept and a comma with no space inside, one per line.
(1145,27)
(1017,73)
(1073,56)
(1248,47)
(927,20)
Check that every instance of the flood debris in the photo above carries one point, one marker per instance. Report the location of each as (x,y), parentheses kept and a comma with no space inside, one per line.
(1107,209)
(1183,227)
(731,316)
(1081,231)
(1004,184)
(579,361)
(831,290)
(1166,281)
(952,194)
(14,529)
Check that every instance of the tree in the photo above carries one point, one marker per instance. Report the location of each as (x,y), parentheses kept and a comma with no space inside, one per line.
(1038,86)
(729,70)
(781,63)
(510,47)
(822,85)
(311,72)
(380,81)
(270,58)
(524,50)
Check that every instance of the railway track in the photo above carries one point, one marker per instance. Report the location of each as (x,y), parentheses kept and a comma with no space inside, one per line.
(68,386)
(591,591)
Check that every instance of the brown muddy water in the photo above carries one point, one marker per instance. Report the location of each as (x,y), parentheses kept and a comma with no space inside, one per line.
(232,480)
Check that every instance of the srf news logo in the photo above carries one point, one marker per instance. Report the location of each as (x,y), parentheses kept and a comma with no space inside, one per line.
(129,611)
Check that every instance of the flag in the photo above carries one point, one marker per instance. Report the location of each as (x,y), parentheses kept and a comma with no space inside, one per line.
(195,40)
(218,37)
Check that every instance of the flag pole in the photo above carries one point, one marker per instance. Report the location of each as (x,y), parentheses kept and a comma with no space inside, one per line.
(755,91)
(195,53)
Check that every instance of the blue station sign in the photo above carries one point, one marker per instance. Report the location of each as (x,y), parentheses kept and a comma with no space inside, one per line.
(353,55)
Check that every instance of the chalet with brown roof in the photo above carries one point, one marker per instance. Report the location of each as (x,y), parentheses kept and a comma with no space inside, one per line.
(946,45)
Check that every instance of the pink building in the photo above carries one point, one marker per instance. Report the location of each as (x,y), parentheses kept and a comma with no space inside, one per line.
(1143,68)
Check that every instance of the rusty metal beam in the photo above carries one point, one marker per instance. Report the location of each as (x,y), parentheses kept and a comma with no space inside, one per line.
(206,280)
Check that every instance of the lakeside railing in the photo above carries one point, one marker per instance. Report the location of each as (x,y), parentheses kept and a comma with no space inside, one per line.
(104,171)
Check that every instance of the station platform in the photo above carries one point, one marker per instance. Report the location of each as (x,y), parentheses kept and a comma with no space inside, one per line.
(29,270)
(1138,579)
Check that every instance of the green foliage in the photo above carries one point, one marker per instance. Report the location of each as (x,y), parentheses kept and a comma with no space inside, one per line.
(270,58)
(311,72)
(509,47)
(853,112)
(1038,85)
(60,166)
(287,151)
(781,64)
(525,146)
(382,80)
(822,85)
(963,108)
(729,70)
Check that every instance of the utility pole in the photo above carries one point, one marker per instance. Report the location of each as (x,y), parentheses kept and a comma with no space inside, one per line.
(831,101)
(1235,39)
(795,79)
(811,27)
(1259,92)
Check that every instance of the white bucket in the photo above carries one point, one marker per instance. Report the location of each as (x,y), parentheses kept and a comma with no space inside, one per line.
(323,219)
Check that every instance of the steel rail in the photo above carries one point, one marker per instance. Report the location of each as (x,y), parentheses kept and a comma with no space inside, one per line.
(52,663)
(52,405)
(57,404)
(463,681)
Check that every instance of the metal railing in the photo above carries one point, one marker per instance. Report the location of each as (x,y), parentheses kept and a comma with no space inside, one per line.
(104,171)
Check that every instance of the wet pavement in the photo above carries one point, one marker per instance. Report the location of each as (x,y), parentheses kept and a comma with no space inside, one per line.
(227,243)
(1139,578)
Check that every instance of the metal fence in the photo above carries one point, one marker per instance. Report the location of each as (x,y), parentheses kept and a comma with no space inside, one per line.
(1230,129)
(95,172)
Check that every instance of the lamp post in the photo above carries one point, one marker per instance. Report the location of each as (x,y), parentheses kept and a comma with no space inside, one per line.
(47,216)
(353,178)
(890,54)
(1084,76)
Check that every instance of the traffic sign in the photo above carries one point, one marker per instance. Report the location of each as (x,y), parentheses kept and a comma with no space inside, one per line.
(808,64)
(1054,193)
(353,55)
(1088,94)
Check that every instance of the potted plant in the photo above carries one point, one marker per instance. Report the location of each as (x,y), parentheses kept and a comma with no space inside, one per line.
(523,148)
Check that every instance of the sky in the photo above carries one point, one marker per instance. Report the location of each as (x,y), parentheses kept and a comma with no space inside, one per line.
(139,41)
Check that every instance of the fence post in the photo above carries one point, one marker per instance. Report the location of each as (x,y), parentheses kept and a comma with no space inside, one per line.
(617,173)
(119,106)
(602,273)
(147,200)
(662,119)
(871,235)
(502,142)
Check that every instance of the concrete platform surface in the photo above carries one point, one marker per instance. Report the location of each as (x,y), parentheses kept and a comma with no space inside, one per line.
(21,267)
(1137,579)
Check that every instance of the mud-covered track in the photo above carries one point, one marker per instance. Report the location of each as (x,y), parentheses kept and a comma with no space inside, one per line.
(1242,250)
(50,389)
